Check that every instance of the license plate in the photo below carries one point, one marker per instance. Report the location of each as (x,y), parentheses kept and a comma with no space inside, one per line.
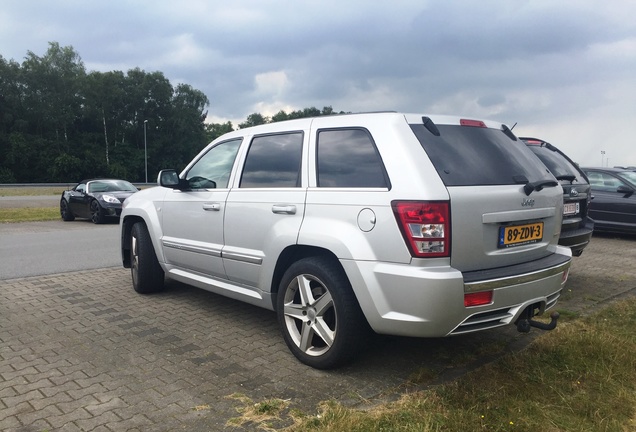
(518,235)
(570,209)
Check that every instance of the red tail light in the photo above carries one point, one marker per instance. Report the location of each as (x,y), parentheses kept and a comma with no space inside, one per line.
(425,226)
(478,299)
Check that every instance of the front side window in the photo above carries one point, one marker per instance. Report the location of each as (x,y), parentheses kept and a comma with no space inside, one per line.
(273,161)
(348,158)
(604,182)
(214,168)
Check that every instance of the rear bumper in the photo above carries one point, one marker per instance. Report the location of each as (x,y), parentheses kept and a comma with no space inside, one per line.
(577,239)
(429,302)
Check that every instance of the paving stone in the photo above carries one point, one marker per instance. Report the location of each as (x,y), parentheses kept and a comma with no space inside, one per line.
(82,351)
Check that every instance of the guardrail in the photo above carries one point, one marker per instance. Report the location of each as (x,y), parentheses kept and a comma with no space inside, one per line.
(64,185)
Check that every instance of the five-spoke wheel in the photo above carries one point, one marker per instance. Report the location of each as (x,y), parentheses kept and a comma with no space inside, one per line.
(320,318)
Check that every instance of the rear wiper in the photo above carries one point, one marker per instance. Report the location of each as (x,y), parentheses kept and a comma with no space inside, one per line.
(538,185)
(568,177)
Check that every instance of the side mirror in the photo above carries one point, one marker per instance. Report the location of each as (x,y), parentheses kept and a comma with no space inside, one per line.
(170,179)
(625,190)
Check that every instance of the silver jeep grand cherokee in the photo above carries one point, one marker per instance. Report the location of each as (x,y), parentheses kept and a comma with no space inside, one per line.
(409,224)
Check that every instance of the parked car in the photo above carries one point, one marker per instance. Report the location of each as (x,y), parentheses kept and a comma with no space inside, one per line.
(412,225)
(577,226)
(614,205)
(95,199)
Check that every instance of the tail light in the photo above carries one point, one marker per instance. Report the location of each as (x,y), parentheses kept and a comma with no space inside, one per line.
(477,299)
(425,226)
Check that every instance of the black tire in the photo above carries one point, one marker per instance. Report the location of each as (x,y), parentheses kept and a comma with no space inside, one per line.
(147,274)
(97,213)
(326,328)
(65,211)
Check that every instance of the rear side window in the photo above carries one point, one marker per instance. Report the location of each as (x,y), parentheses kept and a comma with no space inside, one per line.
(469,156)
(273,161)
(348,158)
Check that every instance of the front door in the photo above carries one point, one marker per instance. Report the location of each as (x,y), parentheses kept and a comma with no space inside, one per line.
(193,219)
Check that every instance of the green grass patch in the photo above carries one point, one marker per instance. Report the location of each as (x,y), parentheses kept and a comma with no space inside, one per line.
(29,214)
(579,377)
(32,191)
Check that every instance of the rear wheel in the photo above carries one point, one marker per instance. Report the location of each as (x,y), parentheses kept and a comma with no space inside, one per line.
(65,211)
(147,274)
(318,313)
(97,213)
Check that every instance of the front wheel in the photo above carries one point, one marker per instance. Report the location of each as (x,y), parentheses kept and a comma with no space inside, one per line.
(319,314)
(97,213)
(147,274)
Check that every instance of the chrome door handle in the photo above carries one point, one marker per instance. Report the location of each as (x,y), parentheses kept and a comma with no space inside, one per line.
(211,206)
(284,209)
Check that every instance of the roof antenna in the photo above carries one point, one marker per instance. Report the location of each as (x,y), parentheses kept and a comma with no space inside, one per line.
(513,126)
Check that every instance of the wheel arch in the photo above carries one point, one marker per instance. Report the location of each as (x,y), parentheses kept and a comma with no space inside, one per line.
(126,230)
(290,255)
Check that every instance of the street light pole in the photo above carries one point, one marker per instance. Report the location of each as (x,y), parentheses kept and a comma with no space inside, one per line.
(602,157)
(146,149)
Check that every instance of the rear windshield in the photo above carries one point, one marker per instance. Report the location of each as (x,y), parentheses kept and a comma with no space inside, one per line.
(557,163)
(469,156)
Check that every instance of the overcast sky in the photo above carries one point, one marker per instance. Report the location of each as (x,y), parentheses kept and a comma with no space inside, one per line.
(563,71)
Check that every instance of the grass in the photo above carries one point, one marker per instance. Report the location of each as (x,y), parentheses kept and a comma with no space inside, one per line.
(29,214)
(31,191)
(579,377)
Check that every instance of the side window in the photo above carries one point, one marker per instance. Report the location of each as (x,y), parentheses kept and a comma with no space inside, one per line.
(273,161)
(605,182)
(80,188)
(214,167)
(349,158)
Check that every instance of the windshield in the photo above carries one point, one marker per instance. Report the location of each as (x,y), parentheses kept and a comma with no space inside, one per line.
(111,186)
(557,163)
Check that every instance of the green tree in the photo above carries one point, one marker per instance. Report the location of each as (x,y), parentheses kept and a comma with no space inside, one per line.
(215,130)
(254,119)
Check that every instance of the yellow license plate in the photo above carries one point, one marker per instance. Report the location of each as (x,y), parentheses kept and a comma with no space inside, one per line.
(517,235)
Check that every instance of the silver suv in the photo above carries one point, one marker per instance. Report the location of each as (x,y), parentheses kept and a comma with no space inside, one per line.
(408,224)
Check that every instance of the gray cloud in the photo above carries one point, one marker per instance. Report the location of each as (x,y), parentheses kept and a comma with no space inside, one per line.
(563,70)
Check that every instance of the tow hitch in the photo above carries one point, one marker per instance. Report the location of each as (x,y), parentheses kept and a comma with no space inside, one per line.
(525,321)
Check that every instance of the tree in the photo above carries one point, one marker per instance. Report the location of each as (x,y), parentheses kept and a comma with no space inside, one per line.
(215,130)
(254,119)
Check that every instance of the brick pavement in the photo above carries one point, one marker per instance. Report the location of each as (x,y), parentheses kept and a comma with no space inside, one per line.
(83,352)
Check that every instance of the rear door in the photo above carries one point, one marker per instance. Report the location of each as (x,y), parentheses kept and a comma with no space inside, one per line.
(506,208)
(265,207)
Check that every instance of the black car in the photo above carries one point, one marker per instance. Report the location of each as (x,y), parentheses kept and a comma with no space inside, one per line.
(614,204)
(95,199)
(577,227)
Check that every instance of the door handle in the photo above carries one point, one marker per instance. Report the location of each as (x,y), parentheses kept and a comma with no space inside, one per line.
(211,206)
(284,209)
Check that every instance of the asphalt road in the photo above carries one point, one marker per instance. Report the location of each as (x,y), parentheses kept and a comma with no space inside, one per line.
(40,248)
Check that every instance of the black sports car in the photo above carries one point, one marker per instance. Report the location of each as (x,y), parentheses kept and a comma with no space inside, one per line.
(95,199)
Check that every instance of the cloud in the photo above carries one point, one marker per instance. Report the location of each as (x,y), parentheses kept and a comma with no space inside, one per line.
(555,68)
